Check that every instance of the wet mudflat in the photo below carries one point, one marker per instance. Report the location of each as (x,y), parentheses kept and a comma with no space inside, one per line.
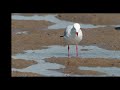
(37,44)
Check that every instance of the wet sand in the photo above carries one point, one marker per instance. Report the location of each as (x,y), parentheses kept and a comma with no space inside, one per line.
(24,74)
(72,64)
(90,62)
(31,14)
(30,24)
(94,18)
(36,39)
(107,38)
(19,63)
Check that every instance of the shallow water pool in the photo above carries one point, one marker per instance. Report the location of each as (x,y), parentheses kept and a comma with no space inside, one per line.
(47,68)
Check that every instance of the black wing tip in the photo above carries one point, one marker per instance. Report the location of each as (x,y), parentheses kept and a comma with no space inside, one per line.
(61,36)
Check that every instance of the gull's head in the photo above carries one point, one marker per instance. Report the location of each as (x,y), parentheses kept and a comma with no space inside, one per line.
(77,27)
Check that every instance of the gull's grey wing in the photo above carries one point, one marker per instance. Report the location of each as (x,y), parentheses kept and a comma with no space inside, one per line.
(68,30)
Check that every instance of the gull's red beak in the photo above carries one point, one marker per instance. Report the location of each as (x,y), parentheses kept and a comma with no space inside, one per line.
(77,33)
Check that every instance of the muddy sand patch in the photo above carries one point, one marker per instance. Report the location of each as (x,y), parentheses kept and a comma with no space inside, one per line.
(107,38)
(31,14)
(24,74)
(36,39)
(91,62)
(74,65)
(20,63)
(107,19)
(30,24)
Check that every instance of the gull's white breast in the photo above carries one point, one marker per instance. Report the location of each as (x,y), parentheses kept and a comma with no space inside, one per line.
(72,39)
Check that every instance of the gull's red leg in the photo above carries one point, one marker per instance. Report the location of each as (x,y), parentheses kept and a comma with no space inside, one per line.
(76,50)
